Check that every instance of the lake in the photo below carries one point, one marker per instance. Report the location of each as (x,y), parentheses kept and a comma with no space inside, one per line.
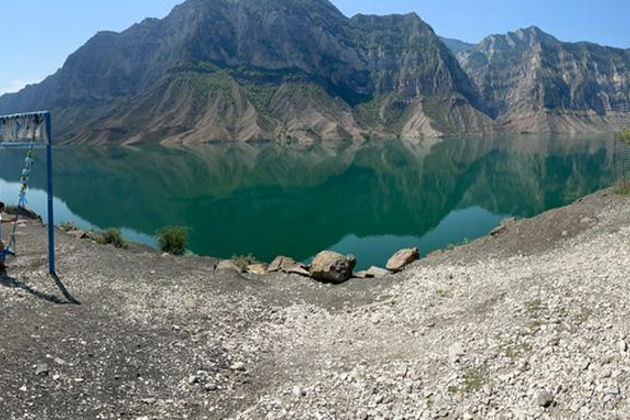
(268,199)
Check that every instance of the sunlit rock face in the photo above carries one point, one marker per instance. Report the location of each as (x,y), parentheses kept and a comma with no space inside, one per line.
(530,81)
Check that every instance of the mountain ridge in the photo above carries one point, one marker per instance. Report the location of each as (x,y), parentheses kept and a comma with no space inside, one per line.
(529,80)
(241,70)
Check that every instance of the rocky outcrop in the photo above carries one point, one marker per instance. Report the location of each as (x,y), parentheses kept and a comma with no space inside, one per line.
(530,81)
(332,267)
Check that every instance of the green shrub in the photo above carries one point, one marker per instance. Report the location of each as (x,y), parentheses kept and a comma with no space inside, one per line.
(243,261)
(625,136)
(173,239)
(114,237)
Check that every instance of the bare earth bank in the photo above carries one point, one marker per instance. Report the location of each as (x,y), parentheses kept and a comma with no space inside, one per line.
(532,323)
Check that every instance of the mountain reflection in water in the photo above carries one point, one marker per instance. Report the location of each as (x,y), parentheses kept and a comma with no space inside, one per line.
(269,199)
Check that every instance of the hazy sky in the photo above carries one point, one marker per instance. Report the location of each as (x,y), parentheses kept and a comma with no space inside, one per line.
(38,35)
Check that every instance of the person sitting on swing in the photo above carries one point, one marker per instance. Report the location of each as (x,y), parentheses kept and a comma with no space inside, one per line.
(4,221)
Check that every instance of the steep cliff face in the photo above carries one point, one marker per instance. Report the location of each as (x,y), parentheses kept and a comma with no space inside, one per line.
(530,81)
(258,69)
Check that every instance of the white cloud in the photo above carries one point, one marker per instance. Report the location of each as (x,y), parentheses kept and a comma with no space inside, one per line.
(15,86)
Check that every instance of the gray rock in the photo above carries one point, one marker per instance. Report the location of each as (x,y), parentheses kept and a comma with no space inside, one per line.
(332,267)
(298,391)
(403,258)
(41,369)
(377,272)
(363,275)
(209,387)
(239,366)
(544,399)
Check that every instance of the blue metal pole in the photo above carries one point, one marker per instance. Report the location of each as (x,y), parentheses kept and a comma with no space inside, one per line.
(51,221)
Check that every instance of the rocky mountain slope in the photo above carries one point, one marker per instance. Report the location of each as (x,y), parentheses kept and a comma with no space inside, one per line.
(456,45)
(258,69)
(284,69)
(530,81)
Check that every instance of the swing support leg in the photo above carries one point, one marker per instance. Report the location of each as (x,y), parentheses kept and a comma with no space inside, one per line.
(51,222)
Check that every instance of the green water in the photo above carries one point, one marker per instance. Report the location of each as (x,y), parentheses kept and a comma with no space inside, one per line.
(268,199)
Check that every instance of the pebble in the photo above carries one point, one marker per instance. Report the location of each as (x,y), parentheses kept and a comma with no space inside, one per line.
(544,399)
(41,369)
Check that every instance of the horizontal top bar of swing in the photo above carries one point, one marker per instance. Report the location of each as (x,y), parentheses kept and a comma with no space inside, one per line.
(22,145)
(26,114)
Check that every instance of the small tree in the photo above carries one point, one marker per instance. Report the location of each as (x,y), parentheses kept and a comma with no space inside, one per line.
(173,239)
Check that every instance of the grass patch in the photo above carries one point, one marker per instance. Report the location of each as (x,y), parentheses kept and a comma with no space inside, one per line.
(173,239)
(114,237)
(443,293)
(533,306)
(243,261)
(584,315)
(474,379)
(517,350)
(534,326)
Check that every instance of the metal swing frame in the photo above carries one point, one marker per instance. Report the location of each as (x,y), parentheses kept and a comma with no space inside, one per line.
(25,143)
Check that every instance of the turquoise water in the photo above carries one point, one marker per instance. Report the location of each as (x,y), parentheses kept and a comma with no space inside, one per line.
(267,199)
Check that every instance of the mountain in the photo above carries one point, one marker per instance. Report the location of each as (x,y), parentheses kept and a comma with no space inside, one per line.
(243,70)
(456,45)
(530,81)
(258,69)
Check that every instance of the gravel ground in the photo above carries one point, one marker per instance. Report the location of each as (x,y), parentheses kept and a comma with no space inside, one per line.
(531,323)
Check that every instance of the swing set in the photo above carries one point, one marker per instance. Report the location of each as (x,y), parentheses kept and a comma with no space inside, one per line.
(29,131)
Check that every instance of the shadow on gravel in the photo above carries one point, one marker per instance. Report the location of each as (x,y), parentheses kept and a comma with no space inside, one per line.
(13,283)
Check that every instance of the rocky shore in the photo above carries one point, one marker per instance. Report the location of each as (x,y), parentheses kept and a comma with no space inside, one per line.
(530,322)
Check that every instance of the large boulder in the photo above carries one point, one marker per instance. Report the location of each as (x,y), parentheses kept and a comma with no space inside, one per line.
(332,267)
(403,258)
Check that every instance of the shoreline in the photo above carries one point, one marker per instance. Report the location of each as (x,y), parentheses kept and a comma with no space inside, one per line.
(523,323)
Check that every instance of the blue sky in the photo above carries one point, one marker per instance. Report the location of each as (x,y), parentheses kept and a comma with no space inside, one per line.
(37,35)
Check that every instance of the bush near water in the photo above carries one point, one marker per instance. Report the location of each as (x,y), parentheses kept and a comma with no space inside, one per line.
(173,239)
(114,237)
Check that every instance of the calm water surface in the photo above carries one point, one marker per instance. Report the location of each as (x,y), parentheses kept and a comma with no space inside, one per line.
(267,199)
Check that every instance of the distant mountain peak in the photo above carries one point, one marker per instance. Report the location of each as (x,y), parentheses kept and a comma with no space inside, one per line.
(457,46)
